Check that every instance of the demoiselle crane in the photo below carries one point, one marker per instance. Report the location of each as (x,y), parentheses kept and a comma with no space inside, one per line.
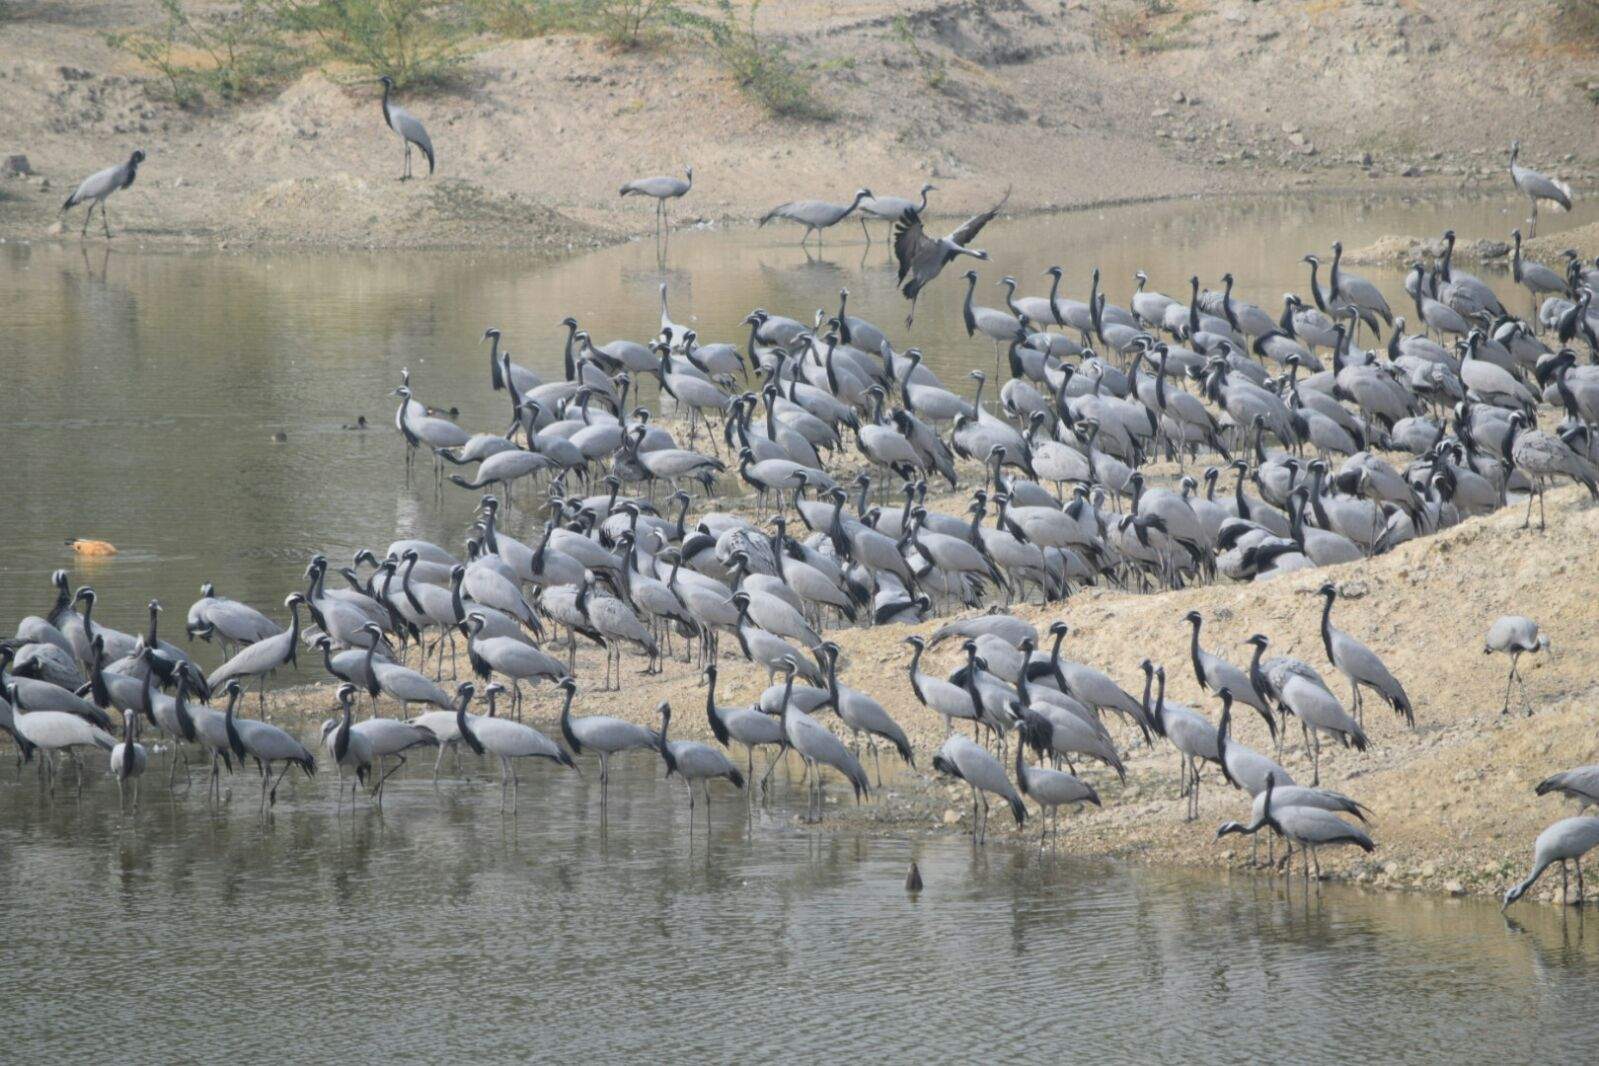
(407,127)
(98,187)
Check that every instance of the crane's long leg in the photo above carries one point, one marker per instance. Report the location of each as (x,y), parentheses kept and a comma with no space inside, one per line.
(389,774)
(1193,796)
(84,232)
(104,220)
(771,764)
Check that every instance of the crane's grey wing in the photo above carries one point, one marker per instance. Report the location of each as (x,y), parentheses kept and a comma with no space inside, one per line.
(238,621)
(1542,185)
(920,256)
(663,186)
(908,239)
(98,184)
(973,226)
(780,211)
(410,127)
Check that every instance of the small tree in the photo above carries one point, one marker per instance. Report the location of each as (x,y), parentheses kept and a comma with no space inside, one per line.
(412,41)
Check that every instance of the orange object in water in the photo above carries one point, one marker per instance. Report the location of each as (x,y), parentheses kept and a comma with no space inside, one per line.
(93,547)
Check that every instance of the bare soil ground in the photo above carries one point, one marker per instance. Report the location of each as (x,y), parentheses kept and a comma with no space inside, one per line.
(1071,102)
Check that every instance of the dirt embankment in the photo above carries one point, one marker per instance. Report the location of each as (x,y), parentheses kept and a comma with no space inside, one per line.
(1070,102)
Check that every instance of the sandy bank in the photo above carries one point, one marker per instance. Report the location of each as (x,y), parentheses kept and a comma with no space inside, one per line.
(1069,104)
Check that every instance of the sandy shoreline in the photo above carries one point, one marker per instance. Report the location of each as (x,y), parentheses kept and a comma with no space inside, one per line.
(538,133)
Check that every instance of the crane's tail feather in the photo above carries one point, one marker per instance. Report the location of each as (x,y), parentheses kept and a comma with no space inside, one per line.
(736,777)
(1401,703)
(1018,809)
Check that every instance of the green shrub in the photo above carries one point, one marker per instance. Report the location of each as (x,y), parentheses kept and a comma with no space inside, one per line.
(932,66)
(759,67)
(533,18)
(239,53)
(1577,21)
(412,41)
(622,23)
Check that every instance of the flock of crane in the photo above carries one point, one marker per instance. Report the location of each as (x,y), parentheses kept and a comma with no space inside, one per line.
(1096,396)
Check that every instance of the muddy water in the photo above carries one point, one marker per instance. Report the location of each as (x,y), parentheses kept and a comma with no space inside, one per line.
(442,930)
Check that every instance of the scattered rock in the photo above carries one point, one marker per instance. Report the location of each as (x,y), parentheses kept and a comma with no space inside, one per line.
(1412,171)
(1179,97)
(15,166)
(1160,112)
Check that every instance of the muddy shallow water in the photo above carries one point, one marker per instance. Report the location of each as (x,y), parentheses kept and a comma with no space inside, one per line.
(441,929)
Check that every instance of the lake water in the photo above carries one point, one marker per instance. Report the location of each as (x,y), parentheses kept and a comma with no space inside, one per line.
(441,929)
(145,388)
